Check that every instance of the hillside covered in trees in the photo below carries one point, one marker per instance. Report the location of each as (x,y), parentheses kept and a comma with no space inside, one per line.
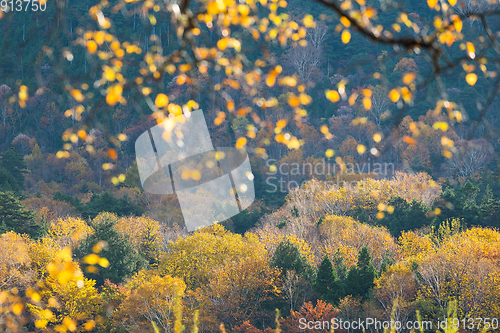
(372,134)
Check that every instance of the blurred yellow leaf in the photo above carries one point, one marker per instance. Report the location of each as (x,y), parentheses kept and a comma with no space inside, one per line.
(367,103)
(471,79)
(346,36)
(409,77)
(241,142)
(440,125)
(361,149)
(432,3)
(91,259)
(294,101)
(332,95)
(309,21)
(457,22)
(92,47)
(222,44)
(471,50)
(281,123)
(161,100)
(77,95)
(345,21)
(394,95)
(409,140)
(103,262)
(270,80)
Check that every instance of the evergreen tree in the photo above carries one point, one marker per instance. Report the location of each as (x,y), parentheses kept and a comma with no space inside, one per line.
(107,202)
(340,267)
(14,217)
(360,278)
(327,284)
(287,257)
(406,216)
(489,210)
(386,263)
(124,261)
(14,164)
(6,179)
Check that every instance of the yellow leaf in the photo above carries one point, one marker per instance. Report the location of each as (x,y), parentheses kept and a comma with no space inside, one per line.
(109,74)
(406,93)
(361,149)
(17,308)
(270,80)
(241,142)
(332,95)
(346,36)
(452,2)
(77,95)
(345,21)
(377,137)
(432,3)
(309,21)
(161,100)
(103,262)
(471,50)
(409,140)
(89,326)
(408,78)
(440,125)
(91,259)
(294,101)
(222,44)
(92,47)
(329,153)
(367,103)
(281,123)
(114,94)
(458,24)
(471,79)
(447,154)
(352,98)
(181,79)
(394,95)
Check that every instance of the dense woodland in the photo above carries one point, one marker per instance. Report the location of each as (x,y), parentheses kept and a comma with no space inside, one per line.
(403,226)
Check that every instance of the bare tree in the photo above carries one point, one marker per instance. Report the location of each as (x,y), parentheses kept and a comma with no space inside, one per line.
(471,9)
(468,160)
(380,104)
(317,35)
(306,59)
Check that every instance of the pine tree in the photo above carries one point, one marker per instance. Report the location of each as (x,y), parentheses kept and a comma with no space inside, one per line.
(327,284)
(489,209)
(14,217)
(360,278)
(124,261)
(287,257)
(14,164)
